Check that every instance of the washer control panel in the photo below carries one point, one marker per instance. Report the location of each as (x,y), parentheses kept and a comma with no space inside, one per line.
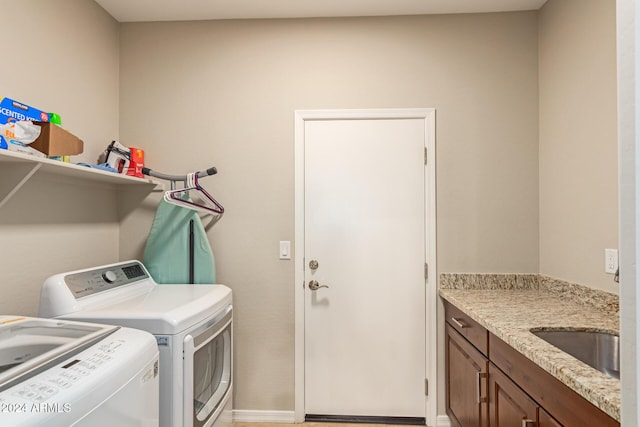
(65,392)
(43,387)
(102,279)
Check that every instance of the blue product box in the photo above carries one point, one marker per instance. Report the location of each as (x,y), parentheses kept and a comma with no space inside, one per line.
(11,110)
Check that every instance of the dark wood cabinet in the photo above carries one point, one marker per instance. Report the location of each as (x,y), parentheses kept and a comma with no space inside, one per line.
(509,406)
(567,407)
(466,374)
(546,420)
(490,384)
(468,328)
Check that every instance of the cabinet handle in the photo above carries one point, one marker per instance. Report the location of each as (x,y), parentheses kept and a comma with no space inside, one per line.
(481,376)
(528,423)
(458,323)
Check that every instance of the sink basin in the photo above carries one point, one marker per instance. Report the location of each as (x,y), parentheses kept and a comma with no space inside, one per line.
(600,350)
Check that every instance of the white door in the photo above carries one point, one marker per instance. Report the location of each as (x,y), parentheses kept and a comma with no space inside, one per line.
(364,225)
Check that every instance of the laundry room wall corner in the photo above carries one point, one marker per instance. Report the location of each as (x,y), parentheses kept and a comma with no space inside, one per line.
(67,61)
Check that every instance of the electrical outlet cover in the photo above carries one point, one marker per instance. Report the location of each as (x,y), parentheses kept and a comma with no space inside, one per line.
(610,261)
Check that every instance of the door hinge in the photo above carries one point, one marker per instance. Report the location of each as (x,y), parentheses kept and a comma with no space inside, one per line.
(426,270)
(426,387)
(425,155)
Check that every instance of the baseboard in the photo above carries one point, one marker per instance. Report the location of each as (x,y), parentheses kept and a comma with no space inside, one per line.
(288,417)
(251,416)
(360,419)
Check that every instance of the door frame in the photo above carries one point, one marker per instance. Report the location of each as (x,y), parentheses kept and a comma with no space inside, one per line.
(431,286)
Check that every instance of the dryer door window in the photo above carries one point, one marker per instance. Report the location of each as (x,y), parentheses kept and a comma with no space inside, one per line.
(211,373)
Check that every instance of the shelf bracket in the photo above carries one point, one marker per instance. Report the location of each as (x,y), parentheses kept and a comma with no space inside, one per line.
(18,185)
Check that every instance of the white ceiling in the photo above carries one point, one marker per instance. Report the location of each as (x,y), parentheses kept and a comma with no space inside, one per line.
(192,10)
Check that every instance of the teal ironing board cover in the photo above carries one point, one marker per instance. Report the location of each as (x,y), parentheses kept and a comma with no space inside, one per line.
(166,253)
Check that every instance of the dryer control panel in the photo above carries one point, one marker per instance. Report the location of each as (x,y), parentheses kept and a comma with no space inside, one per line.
(102,279)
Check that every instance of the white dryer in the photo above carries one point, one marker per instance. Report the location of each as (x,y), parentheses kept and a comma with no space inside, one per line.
(192,325)
(63,373)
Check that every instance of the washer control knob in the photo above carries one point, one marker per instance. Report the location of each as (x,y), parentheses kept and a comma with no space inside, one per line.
(109,276)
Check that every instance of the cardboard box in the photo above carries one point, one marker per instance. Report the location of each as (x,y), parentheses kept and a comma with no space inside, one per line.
(56,141)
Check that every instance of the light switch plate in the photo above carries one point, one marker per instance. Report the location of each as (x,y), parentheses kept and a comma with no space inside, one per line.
(285,249)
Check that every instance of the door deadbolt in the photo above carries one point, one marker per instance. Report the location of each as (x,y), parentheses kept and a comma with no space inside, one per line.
(313,264)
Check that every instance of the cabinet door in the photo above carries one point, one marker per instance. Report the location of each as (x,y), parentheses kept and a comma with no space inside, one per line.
(545,420)
(509,406)
(466,382)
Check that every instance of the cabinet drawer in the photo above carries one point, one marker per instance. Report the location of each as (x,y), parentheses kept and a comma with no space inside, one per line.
(467,327)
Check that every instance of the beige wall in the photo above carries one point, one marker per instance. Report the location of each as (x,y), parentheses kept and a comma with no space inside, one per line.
(61,56)
(578,140)
(223,93)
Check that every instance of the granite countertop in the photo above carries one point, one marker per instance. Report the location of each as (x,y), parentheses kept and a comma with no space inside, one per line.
(510,313)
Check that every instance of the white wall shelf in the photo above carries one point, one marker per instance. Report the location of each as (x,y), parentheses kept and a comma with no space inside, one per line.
(16,169)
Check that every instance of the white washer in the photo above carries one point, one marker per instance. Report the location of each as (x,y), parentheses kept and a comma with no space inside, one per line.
(192,325)
(63,373)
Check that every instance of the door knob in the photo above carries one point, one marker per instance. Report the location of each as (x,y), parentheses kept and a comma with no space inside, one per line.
(313,264)
(314,285)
